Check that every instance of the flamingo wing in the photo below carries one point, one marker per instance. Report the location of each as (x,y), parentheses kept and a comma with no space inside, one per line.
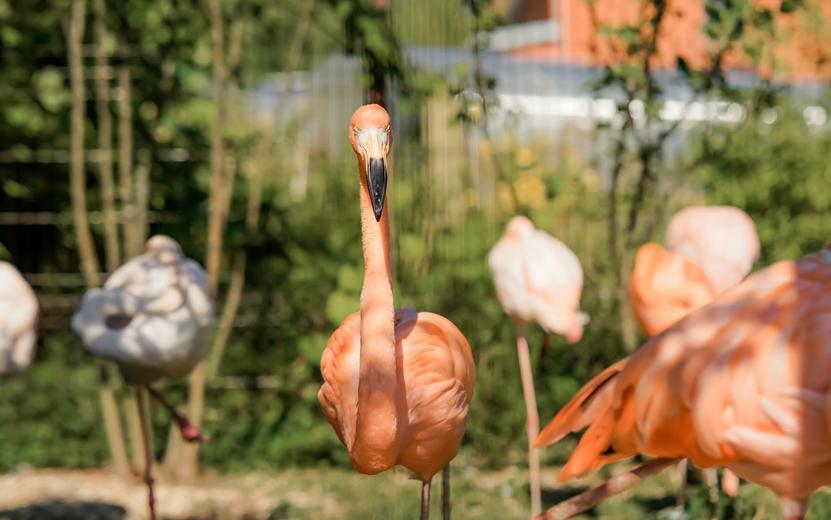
(744,382)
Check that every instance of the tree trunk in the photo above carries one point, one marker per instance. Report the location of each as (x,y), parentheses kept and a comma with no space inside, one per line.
(125,160)
(187,468)
(86,249)
(105,138)
(112,423)
(215,221)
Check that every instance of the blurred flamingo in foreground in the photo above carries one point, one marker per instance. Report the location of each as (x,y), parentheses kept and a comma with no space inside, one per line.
(398,383)
(18,320)
(711,248)
(537,278)
(153,317)
(743,382)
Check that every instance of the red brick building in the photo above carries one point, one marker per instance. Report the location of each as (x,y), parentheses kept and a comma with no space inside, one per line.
(566,31)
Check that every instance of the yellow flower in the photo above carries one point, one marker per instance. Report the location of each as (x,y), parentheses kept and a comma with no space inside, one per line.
(524,157)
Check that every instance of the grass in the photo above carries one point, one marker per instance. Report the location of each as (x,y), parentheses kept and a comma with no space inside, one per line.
(346,495)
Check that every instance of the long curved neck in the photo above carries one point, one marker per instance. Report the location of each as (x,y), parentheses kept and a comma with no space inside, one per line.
(375,448)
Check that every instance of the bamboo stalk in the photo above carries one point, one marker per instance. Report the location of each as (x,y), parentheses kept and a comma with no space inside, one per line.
(105,138)
(215,224)
(125,159)
(130,405)
(112,423)
(187,467)
(86,248)
(74,28)
(141,197)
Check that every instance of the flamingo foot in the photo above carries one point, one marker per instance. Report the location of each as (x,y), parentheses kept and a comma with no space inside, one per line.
(151,499)
(190,433)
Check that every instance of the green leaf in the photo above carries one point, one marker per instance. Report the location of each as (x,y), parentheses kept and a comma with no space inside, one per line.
(340,306)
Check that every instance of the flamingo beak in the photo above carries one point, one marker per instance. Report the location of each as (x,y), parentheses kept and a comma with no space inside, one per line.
(376,181)
(375,157)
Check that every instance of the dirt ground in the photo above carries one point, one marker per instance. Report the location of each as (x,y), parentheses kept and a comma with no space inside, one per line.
(99,495)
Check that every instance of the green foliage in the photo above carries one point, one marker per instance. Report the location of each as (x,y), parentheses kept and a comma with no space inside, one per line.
(778,174)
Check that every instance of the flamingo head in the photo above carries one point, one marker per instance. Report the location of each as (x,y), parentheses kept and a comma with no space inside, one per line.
(371,138)
(518,226)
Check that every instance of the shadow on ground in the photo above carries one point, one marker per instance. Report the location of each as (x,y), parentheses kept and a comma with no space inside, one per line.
(66,511)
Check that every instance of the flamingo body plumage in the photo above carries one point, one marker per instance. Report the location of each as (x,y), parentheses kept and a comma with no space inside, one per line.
(18,320)
(743,382)
(153,317)
(721,239)
(538,279)
(435,386)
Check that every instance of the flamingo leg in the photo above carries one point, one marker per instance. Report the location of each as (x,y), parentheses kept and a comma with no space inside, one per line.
(148,454)
(189,432)
(682,474)
(588,499)
(533,425)
(425,499)
(445,492)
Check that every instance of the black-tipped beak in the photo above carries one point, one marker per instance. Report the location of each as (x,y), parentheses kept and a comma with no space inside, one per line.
(376,181)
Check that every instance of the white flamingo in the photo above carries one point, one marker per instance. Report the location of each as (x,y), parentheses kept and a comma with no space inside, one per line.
(18,320)
(537,278)
(153,318)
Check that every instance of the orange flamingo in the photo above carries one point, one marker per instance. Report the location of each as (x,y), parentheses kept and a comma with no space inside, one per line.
(537,278)
(398,383)
(743,382)
(712,248)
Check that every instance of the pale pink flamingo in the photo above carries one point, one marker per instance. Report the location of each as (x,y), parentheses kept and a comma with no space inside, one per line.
(153,317)
(18,320)
(397,383)
(538,279)
(743,382)
(711,248)
(721,239)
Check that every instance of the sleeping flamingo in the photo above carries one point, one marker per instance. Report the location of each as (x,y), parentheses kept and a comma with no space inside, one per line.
(711,248)
(397,383)
(743,382)
(537,278)
(18,320)
(721,239)
(153,317)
